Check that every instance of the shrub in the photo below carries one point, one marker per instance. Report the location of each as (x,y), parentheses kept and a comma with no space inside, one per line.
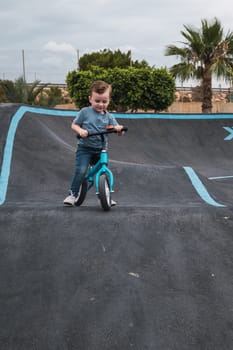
(133,88)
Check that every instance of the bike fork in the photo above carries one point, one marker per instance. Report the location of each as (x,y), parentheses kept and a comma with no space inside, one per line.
(107,171)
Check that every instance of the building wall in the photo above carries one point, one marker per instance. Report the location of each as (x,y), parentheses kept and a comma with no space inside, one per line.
(195,107)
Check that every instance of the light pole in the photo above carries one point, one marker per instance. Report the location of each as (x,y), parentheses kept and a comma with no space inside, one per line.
(77,59)
(24,75)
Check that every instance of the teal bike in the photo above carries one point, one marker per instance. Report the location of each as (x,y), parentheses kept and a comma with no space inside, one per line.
(100,175)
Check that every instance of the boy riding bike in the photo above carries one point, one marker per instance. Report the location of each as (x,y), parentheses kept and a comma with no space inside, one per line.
(94,118)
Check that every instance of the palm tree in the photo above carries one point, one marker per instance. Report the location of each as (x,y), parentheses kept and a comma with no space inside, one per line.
(206,52)
(21,92)
(34,93)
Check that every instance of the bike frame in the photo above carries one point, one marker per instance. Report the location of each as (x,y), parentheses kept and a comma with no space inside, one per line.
(101,167)
(97,170)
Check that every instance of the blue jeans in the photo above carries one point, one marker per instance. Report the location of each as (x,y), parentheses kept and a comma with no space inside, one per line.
(84,156)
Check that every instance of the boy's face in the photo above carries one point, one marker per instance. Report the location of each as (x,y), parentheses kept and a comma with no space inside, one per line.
(100,102)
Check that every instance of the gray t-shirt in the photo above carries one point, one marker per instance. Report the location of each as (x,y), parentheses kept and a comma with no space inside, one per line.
(93,121)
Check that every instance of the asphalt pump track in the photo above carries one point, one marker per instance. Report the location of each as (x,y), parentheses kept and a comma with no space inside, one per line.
(154,273)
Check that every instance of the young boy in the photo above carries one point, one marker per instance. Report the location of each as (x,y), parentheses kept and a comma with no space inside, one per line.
(94,118)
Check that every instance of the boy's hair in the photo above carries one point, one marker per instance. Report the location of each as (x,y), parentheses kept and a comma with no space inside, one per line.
(100,86)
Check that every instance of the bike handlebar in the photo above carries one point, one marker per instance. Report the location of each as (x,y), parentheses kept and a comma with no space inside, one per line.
(107,131)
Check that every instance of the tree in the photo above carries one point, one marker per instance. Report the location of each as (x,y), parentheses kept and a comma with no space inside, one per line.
(206,52)
(109,59)
(50,97)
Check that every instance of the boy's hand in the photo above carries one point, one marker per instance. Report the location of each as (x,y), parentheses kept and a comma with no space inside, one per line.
(118,128)
(83,133)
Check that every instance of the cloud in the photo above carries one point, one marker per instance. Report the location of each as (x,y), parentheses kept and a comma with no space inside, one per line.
(52,61)
(62,48)
(52,32)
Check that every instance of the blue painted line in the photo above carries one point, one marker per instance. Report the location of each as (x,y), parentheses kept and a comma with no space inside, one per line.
(200,188)
(230,130)
(220,177)
(7,156)
(172,116)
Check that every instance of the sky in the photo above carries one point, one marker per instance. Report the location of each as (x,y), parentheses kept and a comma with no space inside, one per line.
(43,39)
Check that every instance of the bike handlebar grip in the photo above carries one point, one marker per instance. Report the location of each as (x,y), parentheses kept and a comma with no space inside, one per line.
(80,137)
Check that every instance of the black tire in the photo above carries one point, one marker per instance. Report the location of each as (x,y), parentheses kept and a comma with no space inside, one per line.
(82,194)
(104,192)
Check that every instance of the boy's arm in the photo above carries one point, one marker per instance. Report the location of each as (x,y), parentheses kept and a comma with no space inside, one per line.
(78,130)
(115,124)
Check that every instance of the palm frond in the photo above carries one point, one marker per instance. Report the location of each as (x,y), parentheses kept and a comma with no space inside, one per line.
(183,71)
(204,48)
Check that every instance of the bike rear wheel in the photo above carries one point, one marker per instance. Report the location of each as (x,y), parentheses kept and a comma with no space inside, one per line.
(104,192)
(82,194)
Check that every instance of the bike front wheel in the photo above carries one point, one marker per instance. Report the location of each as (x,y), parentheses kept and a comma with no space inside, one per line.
(82,194)
(104,192)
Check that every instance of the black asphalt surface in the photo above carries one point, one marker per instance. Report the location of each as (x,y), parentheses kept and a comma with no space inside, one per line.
(154,273)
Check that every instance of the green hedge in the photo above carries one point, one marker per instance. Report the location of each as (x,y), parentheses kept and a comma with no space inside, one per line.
(133,88)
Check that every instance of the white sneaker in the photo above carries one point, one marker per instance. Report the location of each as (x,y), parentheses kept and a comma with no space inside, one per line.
(113,203)
(70,200)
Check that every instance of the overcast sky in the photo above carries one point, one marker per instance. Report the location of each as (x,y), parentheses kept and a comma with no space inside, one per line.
(51,33)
